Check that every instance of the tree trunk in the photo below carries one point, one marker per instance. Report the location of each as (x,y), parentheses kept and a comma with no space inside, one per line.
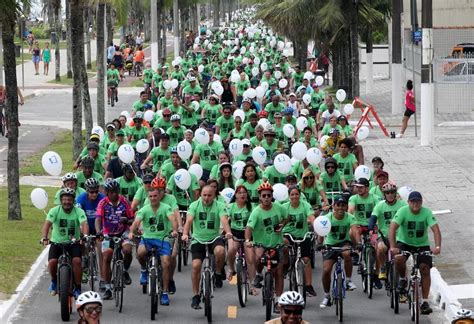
(14,206)
(88,37)
(354,46)
(300,48)
(100,62)
(68,40)
(164,39)
(176,27)
(216,13)
(77,62)
(369,62)
(159,22)
(110,24)
(1,56)
(57,54)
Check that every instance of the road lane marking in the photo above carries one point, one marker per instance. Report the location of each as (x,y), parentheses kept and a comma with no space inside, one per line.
(231,311)
(442,212)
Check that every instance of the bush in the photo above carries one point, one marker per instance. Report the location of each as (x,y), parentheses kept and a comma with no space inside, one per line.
(41,31)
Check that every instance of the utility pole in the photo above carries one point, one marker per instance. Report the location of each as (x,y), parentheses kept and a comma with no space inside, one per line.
(176,27)
(397,94)
(426,98)
(415,38)
(154,34)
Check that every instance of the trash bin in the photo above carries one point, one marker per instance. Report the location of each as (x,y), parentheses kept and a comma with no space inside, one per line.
(53,37)
(64,35)
(17,50)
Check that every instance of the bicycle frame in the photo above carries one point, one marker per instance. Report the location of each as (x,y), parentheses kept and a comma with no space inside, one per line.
(338,270)
(64,260)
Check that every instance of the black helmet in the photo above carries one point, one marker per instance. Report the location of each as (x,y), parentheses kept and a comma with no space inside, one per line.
(87,162)
(67,191)
(111,185)
(92,146)
(330,160)
(91,183)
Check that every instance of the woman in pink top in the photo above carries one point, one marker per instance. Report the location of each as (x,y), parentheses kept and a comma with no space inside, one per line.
(410,107)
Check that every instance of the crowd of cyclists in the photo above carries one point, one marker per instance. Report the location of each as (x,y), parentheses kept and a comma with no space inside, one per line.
(219,89)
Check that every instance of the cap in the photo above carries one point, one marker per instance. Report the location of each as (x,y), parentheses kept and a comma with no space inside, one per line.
(377,159)
(214,96)
(292,94)
(277,115)
(112,125)
(148,178)
(138,115)
(225,164)
(291,177)
(247,100)
(362,182)
(94,137)
(382,173)
(342,117)
(164,136)
(246,141)
(415,196)
(304,112)
(166,111)
(120,132)
(92,146)
(339,200)
(191,79)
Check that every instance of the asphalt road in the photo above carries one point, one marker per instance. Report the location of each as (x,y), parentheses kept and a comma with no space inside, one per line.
(42,308)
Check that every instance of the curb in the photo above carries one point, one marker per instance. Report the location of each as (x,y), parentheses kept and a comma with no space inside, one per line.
(9,307)
(443,296)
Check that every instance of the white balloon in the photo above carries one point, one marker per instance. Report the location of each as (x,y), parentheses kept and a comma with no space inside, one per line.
(142,146)
(217,138)
(126,114)
(280,192)
(234,78)
(148,115)
(251,93)
(307,98)
(319,80)
(260,91)
(301,123)
(195,105)
(255,71)
(236,147)
(243,50)
(314,156)
(322,225)
(200,68)
(288,130)
(39,198)
(167,84)
(363,133)
(256,61)
(215,85)
(282,83)
(126,153)
(227,194)
(282,163)
(52,163)
(197,170)
(219,90)
(174,83)
(235,72)
(251,49)
(129,121)
(264,122)
(99,131)
(259,155)
(263,66)
(201,135)
(348,109)
(178,60)
(239,113)
(362,171)
(340,95)
(245,61)
(308,75)
(323,140)
(278,75)
(184,149)
(265,85)
(237,169)
(404,192)
(182,178)
(298,150)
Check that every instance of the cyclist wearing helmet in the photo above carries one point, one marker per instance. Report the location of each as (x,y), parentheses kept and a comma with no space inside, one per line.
(87,172)
(264,226)
(382,215)
(137,131)
(142,192)
(291,306)
(176,131)
(89,201)
(66,220)
(89,307)
(332,179)
(96,139)
(129,182)
(158,221)
(111,219)
(69,181)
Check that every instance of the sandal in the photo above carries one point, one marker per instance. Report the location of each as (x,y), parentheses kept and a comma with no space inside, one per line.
(230,274)
(253,290)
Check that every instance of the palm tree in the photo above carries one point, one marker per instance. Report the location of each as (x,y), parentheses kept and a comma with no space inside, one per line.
(56,6)
(9,12)
(100,62)
(68,40)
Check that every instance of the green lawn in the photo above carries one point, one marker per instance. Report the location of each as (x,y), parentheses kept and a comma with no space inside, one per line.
(19,246)
(61,145)
(26,57)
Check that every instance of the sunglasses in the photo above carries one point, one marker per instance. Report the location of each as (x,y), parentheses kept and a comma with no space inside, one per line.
(91,309)
(293,311)
(166,115)
(266,196)
(390,192)
(308,178)
(330,167)
(146,182)
(238,122)
(93,192)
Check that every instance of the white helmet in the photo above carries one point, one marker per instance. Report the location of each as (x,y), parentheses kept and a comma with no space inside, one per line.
(87,298)
(69,176)
(291,298)
(463,313)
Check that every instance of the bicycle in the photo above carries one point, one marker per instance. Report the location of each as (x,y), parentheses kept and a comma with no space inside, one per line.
(113,95)
(183,247)
(243,285)
(269,262)
(90,262)
(367,266)
(137,68)
(117,270)
(297,265)
(391,285)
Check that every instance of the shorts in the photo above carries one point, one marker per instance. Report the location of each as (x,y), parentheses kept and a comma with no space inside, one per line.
(332,255)
(277,257)
(55,250)
(163,248)
(408,113)
(425,259)
(110,244)
(35,59)
(238,234)
(198,250)
(305,247)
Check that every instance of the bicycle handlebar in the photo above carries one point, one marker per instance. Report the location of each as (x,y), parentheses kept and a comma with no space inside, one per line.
(408,253)
(209,242)
(310,234)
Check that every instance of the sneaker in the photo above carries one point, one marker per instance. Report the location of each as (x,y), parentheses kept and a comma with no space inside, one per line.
(257,282)
(326,302)
(116,98)
(172,287)
(350,286)
(144,277)
(108,294)
(218,280)
(377,283)
(276,307)
(310,291)
(165,300)
(126,278)
(383,274)
(53,288)
(102,286)
(402,285)
(76,292)
(402,298)
(425,308)
(195,302)
(399,135)
(355,259)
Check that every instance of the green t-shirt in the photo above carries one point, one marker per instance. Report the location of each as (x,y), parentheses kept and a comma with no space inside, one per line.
(141,195)
(331,183)
(250,129)
(81,178)
(385,213)
(206,220)
(272,109)
(339,229)
(208,154)
(192,91)
(273,176)
(65,224)
(57,198)
(238,216)
(137,134)
(346,165)
(212,112)
(238,134)
(251,188)
(113,77)
(140,106)
(312,194)
(176,135)
(168,199)
(376,191)
(298,224)
(270,148)
(156,223)
(189,118)
(159,156)
(182,195)
(225,125)
(129,188)
(413,228)
(363,207)
(147,75)
(263,223)
(242,86)
(113,148)
(178,110)
(165,102)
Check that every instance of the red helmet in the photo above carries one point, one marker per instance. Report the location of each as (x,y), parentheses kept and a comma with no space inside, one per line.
(263,114)
(158,183)
(389,186)
(265,186)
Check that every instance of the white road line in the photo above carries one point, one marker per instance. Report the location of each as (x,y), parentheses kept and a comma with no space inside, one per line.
(3,149)
(442,212)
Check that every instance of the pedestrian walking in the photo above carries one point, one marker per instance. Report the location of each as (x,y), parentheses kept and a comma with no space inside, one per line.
(36,58)
(46,58)
(410,105)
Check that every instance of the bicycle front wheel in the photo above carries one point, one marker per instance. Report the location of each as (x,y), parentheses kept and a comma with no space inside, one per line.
(92,269)
(300,279)
(242,287)
(268,295)
(180,257)
(118,286)
(415,302)
(340,296)
(64,289)
(370,272)
(208,296)
(153,294)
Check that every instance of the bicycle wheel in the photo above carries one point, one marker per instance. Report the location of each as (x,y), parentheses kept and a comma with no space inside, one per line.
(370,273)
(415,302)
(208,296)
(112,97)
(153,294)
(180,257)
(268,295)
(241,282)
(92,269)
(64,288)
(118,286)
(340,292)
(395,292)
(185,251)
(300,279)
